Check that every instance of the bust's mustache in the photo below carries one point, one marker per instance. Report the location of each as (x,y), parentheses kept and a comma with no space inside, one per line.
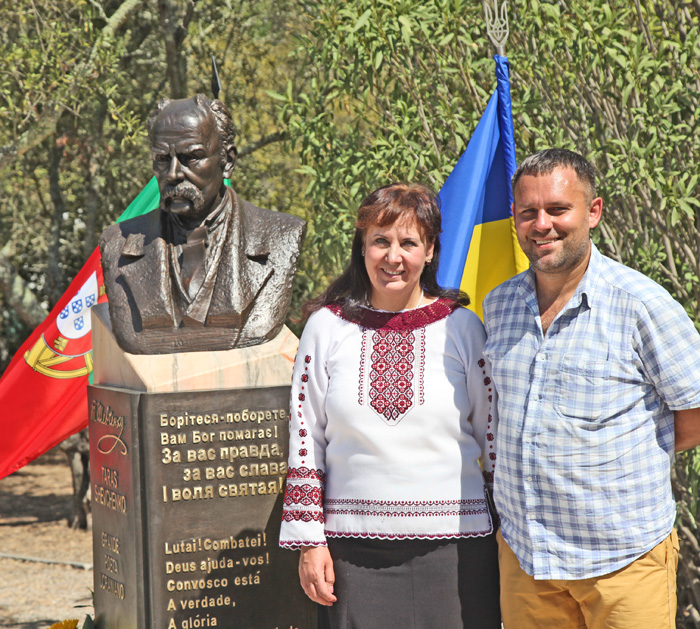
(184,190)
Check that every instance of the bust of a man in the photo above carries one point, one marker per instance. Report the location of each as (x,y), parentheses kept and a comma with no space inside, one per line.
(206,270)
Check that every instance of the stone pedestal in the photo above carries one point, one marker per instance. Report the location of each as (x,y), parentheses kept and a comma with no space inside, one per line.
(188,458)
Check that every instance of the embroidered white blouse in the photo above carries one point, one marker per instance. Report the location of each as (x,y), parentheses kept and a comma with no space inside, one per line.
(391,416)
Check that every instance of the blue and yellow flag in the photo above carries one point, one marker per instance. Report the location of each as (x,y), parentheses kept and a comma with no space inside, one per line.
(479,247)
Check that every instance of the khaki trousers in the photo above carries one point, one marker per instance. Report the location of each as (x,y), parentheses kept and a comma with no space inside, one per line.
(641,595)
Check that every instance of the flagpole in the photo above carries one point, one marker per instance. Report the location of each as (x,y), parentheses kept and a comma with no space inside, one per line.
(497,24)
(496,17)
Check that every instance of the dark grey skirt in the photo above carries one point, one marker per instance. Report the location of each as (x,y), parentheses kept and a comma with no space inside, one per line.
(414,584)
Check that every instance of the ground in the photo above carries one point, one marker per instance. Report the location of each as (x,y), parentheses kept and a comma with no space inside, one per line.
(35,503)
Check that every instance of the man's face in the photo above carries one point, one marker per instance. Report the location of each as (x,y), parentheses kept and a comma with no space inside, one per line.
(553,215)
(187,161)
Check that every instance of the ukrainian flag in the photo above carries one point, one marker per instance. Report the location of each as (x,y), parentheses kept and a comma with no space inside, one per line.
(479,247)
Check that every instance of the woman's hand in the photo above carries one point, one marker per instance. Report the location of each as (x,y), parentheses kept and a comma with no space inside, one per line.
(317,575)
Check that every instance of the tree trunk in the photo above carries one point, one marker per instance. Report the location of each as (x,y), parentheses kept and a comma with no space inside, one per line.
(95,155)
(17,294)
(174,33)
(54,272)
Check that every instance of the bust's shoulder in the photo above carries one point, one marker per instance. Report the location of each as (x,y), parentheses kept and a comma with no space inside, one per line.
(144,224)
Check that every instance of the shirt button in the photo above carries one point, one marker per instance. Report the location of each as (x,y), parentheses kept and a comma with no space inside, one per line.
(541,357)
(535,397)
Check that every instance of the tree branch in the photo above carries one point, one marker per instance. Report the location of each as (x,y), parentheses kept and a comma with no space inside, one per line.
(46,125)
(278,136)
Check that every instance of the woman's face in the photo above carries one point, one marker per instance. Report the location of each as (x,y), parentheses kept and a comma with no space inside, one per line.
(394,258)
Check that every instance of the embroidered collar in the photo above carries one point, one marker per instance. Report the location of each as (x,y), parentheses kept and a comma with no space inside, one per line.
(404,320)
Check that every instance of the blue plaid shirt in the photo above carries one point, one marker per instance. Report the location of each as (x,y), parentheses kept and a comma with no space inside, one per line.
(585,442)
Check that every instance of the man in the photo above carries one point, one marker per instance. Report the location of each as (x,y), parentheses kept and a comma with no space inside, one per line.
(592,362)
(206,270)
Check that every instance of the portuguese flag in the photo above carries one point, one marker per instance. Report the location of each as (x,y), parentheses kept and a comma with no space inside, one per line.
(43,392)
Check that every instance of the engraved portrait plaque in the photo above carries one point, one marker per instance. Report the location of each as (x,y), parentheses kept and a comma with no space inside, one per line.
(187,498)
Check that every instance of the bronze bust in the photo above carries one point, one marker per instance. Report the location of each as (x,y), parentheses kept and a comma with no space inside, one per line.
(206,270)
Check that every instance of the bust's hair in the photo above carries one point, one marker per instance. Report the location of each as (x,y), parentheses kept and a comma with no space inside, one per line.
(395,202)
(546,161)
(224,123)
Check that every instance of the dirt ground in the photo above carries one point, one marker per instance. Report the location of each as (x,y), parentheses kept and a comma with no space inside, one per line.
(35,503)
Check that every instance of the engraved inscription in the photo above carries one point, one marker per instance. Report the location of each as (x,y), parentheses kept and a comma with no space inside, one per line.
(108,498)
(110,477)
(112,586)
(105,415)
(197,544)
(111,564)
(253,456)
(110,542)
(230,455)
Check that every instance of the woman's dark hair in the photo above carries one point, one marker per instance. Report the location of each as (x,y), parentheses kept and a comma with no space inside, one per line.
(385,206)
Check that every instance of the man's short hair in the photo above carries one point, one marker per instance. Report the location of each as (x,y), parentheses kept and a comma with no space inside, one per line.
(544,162)
(224,123)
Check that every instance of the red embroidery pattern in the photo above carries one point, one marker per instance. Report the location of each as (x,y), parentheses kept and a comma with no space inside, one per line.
(294,544)
(392,355)
(303,501)
(405,321)
(304,516)
(421,369)
(305,494)
(488,474)
(406,508)
(302,397)
(407,536)
(391,375)
(297,473)
(363,353)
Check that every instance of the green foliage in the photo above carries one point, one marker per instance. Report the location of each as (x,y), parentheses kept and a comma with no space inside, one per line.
(393,91)
(618,81)
(688,465)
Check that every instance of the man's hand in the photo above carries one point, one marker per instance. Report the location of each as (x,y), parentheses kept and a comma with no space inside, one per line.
(687,427)
(317,575)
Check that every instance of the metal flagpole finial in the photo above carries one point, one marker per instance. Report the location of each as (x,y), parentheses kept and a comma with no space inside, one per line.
(215,83)
(497,24)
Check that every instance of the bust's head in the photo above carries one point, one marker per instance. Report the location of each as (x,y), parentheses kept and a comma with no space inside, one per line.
(192,143)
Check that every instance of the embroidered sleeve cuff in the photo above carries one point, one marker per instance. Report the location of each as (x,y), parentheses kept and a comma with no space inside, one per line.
(295,544)
(302,513)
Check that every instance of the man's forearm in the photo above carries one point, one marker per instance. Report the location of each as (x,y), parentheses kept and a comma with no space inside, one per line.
(687,429)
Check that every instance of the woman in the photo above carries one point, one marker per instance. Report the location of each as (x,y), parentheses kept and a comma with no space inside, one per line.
(391,418)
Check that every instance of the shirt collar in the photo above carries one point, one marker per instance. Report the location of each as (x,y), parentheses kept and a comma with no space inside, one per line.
(586,287)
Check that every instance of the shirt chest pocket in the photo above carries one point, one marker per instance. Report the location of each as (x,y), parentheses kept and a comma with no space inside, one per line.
(584,390)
